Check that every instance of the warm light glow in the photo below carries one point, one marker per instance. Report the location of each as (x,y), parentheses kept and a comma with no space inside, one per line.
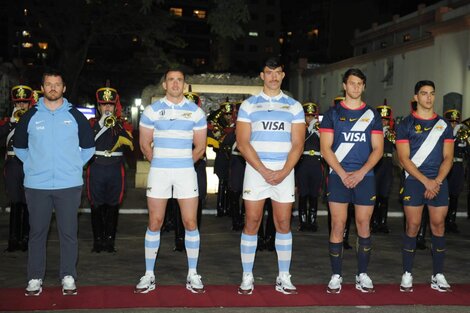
(313,33)
(281,40)
(25,12)
(135,39)
(43,45)
(176,11)
(27,45)
(90,61)
(253,34)
(199,14)
(289,33)
(138,102)
(26,33)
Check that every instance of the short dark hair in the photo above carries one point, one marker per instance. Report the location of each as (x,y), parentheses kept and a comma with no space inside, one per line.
(423,83)
(52,72)
(174,69)
(355,72)
(272,63)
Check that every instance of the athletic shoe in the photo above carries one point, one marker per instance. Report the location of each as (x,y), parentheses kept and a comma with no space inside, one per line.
(406,284)
(247,285)
(146,284)
(364,283)
(334,286)
(284,285)
(68,286)
(34,288)
(194,283)
(439,283)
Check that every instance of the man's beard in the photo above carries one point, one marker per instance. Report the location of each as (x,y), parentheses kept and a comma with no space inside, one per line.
(53,97)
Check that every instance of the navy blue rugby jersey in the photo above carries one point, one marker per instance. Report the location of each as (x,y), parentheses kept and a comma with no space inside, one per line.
(426,138)
(352,130)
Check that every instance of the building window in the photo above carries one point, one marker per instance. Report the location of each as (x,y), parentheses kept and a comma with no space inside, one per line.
(253,34)
(323,86)
(176,11)
(199,14)
(313,33)
(406,37)
(388,73)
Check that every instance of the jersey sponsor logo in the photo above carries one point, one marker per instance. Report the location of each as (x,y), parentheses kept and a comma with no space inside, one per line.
(353,119)
(186,115)
(67,122)
(247,191)
(354,137)
(273,125)
(406,198)
(439,127)
(285,107)
(427,128)
(149,188)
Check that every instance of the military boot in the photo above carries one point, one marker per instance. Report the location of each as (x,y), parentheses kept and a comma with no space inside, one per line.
(312,214)
(303,213)
(451,225)
(383,227)
(97,227)
(111,221)
(15,227)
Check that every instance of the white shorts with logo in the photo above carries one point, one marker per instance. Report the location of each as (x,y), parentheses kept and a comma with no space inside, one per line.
(256,188)
(166,183)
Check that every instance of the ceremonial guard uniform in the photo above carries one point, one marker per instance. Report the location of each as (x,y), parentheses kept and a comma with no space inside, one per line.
(384,172)
(105,173)
(221,123)
(22,98)
(456,175)
(309,171)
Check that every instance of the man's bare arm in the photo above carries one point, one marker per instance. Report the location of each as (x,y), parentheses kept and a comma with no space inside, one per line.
(199,141)
(145,142)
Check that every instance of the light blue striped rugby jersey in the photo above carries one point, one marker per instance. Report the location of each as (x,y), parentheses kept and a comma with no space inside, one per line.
(271,120)
(173,130)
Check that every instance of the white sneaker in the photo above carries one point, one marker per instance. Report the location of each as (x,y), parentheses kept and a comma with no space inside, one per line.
(34,288)
(284,285)
(406,284)
(439,283)
(194,283)
(247,285)
(146,284)
(334,286)
(68,286)
(364,283)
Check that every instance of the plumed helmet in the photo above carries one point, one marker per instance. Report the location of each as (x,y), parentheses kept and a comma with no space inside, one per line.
(337,100)
(310,108)
(385,111)
(452,115)
(22,93)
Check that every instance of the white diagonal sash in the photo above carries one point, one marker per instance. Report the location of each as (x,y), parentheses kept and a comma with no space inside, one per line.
(428,145)
(361,125)
(102,130)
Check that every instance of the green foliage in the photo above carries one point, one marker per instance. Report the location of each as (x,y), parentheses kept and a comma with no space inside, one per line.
(226,18)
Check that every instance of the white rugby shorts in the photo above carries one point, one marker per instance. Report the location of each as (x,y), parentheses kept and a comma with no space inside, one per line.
(256,188)
(166,183)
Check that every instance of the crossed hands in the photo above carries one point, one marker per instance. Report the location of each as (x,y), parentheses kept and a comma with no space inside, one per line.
(352,179)
(273,177)
(433,186)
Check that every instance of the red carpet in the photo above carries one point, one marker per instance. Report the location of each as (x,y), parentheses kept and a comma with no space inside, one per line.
(108,297)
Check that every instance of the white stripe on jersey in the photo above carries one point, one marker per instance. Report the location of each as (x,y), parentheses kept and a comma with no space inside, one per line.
(428,144)
(361,125)
(172,153)
(262,146)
